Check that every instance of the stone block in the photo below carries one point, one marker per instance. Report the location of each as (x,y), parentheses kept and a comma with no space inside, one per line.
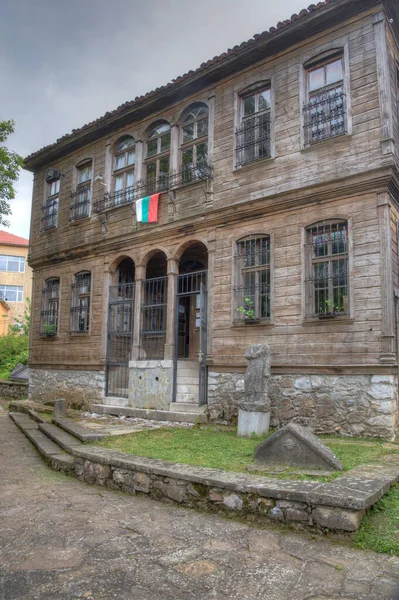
(296,446)
(337,519)
(215,496)
(276,514)
(142,483)
(251,422)
(59,408)
(293,514)
(233,501)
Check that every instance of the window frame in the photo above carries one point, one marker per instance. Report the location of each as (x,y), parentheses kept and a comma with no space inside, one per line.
(9,256)
(156,184)
(309,313)
(19,291)
(78,312)
(238,288)
(255,89)
(324,57)
(80,205)
(49,327)
(50,207)
(194,172)
(126,193)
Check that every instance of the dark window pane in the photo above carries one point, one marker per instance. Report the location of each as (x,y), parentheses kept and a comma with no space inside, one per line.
(249,106)
(264,100)
(202,127)
(188,132)
(165,142)
(152,147)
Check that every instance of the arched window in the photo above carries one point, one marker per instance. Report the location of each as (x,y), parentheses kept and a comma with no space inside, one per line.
(123,171)
(81,197)
(252,290)
(325,109)
(50,306)
(326,255)
(157,162)
(194,141)
(80,308)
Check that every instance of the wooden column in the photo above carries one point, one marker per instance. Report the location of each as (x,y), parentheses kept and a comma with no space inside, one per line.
(172,272)
(139,276)
(384,84)
(210,278)
(387,298)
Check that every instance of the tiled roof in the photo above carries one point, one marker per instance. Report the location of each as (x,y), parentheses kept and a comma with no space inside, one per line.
(230,53)
(12,240)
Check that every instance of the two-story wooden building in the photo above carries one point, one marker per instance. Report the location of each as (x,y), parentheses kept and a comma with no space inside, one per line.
(276,166)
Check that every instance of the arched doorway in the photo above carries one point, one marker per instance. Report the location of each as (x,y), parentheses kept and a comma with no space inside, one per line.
(154,296)
(191,325)
(120,328)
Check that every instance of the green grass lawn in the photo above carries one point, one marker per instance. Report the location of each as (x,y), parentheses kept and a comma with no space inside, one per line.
(4,375)
(379,530)
(219,447)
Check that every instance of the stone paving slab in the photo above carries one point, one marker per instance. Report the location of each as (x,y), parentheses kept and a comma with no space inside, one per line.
(78,431)
(61,539)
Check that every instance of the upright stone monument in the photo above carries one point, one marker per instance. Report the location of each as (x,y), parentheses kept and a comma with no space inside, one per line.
(254,409)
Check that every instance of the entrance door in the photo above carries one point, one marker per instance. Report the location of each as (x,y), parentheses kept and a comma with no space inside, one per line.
(119,338)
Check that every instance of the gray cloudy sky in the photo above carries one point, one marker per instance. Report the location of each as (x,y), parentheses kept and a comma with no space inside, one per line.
(65,63)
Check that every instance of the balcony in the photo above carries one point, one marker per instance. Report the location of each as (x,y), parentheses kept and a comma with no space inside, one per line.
(187,176)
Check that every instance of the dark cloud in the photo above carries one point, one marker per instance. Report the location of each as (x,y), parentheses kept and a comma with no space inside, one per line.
(63,64)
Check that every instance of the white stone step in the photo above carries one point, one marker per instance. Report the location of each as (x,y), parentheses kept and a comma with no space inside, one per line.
(186,407)
(187,389)
(115,401)
(155,415)
(187,380)
(190,398)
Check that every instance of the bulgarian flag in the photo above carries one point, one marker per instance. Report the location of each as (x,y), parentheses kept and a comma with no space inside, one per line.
(147,209)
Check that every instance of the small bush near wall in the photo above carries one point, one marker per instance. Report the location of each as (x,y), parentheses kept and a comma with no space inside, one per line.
(14,349)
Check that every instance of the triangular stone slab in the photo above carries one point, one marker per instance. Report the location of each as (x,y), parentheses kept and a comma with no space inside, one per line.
(298,447)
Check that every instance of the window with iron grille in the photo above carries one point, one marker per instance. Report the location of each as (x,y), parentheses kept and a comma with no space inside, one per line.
(194,143)
(80,309)
(123,173)
(50,306)
(325,109)
(326,283)
(153,310)
(49,217)
(252,291)
(157,163)
(253,136)
(81,197)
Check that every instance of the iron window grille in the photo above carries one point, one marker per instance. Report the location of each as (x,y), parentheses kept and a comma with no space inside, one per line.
(12,264)
(80,309)
(80,202)
(252,292)
(253,137)
(325,114)
(121,296)
(153,315)
(326,283)
(50,305)
(49,218)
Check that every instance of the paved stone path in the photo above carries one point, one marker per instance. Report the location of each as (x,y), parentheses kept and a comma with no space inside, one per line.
(61,539)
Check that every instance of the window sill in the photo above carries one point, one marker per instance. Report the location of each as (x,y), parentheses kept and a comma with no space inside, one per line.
(79,220)
(79,333)
(328,141)
(256,323)
(48,229)
(45,336)
(253,163)
(328,320)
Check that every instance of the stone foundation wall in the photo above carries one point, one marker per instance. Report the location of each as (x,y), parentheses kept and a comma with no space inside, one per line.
(365,405)
(10,390)
(79,388)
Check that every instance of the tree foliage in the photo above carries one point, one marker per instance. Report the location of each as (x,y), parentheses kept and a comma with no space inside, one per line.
(10,164)
(22,322)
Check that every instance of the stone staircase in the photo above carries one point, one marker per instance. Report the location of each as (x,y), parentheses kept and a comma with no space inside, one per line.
(187,388)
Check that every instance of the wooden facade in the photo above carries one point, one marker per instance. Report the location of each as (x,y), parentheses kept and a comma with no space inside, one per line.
(351,177)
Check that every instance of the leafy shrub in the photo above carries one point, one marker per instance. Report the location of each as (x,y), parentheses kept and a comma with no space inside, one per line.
(14,349)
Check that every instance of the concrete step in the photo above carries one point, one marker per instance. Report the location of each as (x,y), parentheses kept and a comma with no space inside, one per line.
(116,401)
(187,398)
(148,413)
(187,389)
(66,441)
(50,451)
(78,431)
(187,380)
(187,407)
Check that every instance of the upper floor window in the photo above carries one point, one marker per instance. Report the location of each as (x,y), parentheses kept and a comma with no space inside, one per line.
(12,264)
(326,256)
(81,197)
(80,308)
(50,306)
(252,290)
(50,208)
(325,109)
(11,293)
(123,171)
(157,164)
(253,136)
(194,143)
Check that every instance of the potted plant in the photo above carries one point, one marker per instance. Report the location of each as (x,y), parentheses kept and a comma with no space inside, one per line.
(248,312)
(49,329)
(329,310)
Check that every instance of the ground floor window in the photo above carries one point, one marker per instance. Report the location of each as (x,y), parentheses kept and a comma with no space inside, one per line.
(50,307)
(80,309)
(252,289)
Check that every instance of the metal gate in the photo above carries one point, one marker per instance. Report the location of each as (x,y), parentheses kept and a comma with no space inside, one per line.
(203,379)
(194,284)
(119,338)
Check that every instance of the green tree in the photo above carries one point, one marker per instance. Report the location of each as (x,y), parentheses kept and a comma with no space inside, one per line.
(10,164)
(22,323)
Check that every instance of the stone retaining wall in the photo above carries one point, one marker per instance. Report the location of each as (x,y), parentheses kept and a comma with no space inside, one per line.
(12,390)
(365,405)
(79,388)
